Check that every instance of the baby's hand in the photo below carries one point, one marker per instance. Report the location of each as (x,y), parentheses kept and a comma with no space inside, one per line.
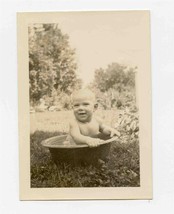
(114,132)
(93,142)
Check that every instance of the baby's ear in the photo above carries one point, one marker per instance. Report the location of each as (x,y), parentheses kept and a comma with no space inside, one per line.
(95,106)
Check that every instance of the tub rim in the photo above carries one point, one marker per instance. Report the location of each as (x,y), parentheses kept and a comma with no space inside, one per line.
(47,143)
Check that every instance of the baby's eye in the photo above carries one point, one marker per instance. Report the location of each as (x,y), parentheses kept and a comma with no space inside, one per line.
(86,104)
(76,105)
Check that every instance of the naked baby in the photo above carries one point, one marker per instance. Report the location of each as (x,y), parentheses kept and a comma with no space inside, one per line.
(85,127)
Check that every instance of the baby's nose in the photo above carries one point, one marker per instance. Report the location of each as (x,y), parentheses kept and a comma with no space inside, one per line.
(81,107)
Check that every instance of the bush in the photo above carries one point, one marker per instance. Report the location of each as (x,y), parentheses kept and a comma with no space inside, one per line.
(128,125)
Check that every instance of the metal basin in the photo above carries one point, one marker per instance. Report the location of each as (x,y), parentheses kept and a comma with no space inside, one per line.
(61,151)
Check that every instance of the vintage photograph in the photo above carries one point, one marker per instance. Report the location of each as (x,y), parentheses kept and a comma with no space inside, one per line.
(88,96)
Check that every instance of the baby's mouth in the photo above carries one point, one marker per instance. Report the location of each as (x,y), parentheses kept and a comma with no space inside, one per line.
(81,113)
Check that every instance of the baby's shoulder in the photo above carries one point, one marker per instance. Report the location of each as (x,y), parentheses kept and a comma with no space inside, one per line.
(73,122)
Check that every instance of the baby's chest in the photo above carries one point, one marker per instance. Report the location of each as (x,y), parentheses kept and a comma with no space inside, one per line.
(91,129)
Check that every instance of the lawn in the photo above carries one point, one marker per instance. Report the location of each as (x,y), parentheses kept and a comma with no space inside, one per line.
(121,169)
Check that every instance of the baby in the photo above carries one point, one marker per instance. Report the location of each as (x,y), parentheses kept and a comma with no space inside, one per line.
(85,127)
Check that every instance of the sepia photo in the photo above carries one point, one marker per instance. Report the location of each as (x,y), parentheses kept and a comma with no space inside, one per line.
(84,105)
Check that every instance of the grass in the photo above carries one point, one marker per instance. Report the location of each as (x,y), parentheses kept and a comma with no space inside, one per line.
(120,170)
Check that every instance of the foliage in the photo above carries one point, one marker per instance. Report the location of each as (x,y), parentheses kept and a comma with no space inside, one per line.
(115,85)
(115,76)
(62,100)
(51,62)
(128,125)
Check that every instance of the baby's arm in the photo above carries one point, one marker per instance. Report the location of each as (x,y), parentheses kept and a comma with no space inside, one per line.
(107,130)
(79,138)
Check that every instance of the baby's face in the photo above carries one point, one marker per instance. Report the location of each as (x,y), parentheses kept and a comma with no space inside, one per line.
(83,108)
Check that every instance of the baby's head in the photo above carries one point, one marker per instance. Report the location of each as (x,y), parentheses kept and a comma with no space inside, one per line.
(83,94)
(83,105)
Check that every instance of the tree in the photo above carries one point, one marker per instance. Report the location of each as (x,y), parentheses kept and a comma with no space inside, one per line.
(51,62)
(115,76)
(114,81)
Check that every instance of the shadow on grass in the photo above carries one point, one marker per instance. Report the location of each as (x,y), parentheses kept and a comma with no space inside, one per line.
(120,170)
